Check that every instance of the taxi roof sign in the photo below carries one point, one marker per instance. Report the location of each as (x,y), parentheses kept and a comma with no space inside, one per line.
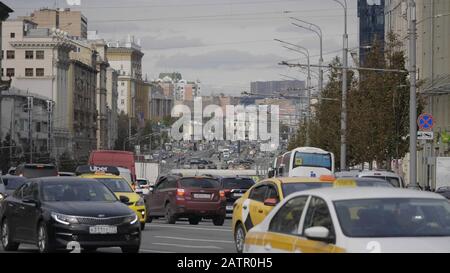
(344,183)
(95,169)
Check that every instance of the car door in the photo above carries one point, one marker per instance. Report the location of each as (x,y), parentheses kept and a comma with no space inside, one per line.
(254,206)
(284,227)
(158,197)
(271,193)
(20,217)
(317,214)
(30,211)
(12,210)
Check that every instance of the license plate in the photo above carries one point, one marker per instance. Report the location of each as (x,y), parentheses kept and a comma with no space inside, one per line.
(103,230)
(202,196)
(229,207)
(238,194)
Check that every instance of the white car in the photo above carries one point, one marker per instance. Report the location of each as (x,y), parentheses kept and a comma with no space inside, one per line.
(360,219)
(391,177)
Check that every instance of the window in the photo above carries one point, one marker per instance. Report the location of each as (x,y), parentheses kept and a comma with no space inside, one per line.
(38,127)
(27,191)
(288,217)
(12,35)
(29,72)
(272,192)
(258,193)
(10,72)
(10,54)
(29,54)
(39,72)
(162,184)
(40,54)
(318,215)
(2,72)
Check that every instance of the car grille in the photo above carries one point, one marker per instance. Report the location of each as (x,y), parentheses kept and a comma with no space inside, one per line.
(103,221)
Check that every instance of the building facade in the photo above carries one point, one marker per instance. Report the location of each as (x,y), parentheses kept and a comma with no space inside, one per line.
(38,60)
(371,26)
(270,88)
(112,97)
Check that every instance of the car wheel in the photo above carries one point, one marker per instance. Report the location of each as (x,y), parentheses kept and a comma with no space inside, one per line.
(130,249)
(239,238)
(43,241)
(142,226)
(7,242)
(170,218)
(194,220)
(219,220)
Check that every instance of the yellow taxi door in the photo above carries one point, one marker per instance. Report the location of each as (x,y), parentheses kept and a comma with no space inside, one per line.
(255,206)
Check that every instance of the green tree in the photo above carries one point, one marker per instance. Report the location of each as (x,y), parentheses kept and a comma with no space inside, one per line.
(66,162)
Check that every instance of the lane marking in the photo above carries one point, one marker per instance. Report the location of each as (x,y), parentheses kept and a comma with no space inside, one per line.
(154,251)
(186,227)
(199,240)
(187,246)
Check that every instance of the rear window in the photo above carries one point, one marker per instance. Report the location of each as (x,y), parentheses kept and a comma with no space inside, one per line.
(116,184)
(203,183)
(289,188)
(237,183)
(13,183)
(393,180)
(38,171)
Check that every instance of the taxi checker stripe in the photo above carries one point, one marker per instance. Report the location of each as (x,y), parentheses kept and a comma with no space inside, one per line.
(248,223)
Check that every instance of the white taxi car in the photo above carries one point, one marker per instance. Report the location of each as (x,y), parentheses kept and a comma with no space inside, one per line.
(354,220)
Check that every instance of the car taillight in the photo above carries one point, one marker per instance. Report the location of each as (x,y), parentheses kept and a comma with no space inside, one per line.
(180,192)
(222,194)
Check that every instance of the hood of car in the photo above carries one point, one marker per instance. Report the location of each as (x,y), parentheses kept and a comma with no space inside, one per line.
(89,209)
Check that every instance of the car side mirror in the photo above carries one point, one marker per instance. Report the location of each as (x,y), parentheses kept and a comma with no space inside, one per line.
(318,234)
(124,199)
(271,202)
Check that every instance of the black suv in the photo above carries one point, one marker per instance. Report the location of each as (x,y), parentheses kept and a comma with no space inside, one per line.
(36,170)
(234,188)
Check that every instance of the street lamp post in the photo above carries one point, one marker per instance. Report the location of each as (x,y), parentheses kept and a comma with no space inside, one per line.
(343,3)
(305,52)
(317,30)
(412,95)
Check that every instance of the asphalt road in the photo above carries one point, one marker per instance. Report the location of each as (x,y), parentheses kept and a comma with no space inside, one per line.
(159,237)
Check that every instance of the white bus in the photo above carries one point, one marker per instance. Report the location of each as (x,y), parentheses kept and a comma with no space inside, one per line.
(305,162)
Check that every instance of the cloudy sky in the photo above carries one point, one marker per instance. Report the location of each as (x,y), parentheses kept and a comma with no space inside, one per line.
(226,44)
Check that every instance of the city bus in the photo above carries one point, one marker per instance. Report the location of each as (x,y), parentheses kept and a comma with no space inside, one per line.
(305,162)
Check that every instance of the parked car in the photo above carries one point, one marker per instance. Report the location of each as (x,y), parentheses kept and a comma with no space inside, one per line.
(57,210)
(11,183)
(175,197)
(234,188)
(36,170)
(143,186)
(444,191)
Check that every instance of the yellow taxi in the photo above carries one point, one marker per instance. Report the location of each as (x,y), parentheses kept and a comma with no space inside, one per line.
(119,185)
(259,200)
(361,182)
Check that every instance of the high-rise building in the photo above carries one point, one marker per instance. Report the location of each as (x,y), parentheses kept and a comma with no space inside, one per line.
(371,26)
(72,22)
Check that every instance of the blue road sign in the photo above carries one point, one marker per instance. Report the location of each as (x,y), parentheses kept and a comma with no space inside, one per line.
(425,122)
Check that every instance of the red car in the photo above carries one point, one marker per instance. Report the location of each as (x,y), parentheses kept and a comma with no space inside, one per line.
(175,197)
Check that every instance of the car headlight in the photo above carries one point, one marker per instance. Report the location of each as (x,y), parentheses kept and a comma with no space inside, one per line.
(64,219)
(2,196)
(140,202)
(133,219)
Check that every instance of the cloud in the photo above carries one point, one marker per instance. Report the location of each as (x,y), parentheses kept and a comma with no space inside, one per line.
(155,43)
(225,59)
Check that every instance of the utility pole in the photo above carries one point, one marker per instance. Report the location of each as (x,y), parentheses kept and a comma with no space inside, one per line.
(343,3)
(412,95)
(30,103)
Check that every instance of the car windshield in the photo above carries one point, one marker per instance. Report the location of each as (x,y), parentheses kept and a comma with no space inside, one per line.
(394,217)
(12,183)
(203,183)
(116,184)
(142,182)
(312,160)
(289,188)
(237,183)
(76,192)
(394,181)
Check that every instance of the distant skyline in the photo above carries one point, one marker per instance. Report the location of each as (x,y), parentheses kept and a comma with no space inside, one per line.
(226,44)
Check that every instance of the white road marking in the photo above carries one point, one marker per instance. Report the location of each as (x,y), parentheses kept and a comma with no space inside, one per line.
(191,239)
(187,227)
(154,251)
(187,246)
